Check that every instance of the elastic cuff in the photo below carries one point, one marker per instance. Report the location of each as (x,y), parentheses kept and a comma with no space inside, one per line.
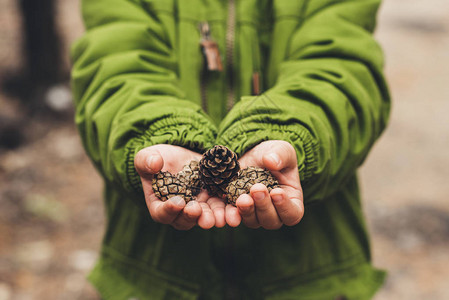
(306,148)
(175,130)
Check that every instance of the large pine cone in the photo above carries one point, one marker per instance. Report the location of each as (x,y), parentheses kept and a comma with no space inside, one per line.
(218,167)
(185,184)
(246,179)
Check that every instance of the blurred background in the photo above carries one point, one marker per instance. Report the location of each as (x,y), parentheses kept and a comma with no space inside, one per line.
(51,215)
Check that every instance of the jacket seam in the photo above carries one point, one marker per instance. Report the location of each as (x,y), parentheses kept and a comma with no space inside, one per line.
(302,277)
(110,254)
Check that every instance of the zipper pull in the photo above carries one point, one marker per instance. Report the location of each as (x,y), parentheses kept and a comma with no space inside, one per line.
(256,83)
(210,49)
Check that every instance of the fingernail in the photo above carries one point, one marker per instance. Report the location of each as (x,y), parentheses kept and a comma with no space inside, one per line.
(258,196)
(190,203)
(244,209)
(274,157)
(277,198)
(177,201)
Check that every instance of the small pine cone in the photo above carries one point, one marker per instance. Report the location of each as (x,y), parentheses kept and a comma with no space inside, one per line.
(218,167)
(191,179)
(167,185)
(246,179)
(185,184)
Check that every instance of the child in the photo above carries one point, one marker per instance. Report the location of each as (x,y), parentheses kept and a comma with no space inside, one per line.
(293,86)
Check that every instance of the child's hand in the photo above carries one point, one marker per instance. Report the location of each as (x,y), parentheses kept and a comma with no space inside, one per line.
(206,211)
(282,206)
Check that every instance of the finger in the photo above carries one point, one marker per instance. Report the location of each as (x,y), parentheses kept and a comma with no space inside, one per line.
(282,162)
(232,215)
(218,208)
(207,218)
(189,216)
(265,210)
(245,205)
(148,162)
(214,206)
(282,155)
(290,209)
(279,156)
(166,212)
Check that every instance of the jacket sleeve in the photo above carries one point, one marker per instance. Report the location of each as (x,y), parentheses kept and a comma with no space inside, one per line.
(126,89)
(330,100)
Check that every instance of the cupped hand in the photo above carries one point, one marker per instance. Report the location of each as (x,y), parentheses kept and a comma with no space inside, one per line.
(281,206)
(205,212)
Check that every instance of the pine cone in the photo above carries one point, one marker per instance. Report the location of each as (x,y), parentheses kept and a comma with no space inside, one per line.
(191,179)
(185,184)
(246,179)
(218,167)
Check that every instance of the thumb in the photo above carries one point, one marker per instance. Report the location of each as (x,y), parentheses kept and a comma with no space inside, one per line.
(279,155)
(148,162)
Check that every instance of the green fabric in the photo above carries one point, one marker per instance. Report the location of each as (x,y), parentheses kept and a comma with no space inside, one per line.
(137,82)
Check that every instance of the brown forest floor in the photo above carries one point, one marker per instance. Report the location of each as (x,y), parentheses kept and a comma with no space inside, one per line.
(51,215)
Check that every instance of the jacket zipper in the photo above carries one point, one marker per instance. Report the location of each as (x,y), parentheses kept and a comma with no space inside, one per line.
(256,78)
(212,60)
(231,291)
(203,91)
(230,38)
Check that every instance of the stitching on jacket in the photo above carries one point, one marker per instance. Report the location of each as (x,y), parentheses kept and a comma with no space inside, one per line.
(311,275)
(113,256)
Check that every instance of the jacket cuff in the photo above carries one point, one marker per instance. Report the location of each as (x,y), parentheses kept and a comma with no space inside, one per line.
(195,135)
(241,140)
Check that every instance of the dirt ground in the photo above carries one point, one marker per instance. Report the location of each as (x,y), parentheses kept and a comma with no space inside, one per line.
(51,215)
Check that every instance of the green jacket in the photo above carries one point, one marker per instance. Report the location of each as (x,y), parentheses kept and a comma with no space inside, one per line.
(139,79)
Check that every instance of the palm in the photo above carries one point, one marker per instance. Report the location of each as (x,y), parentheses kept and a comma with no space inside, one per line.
(206,211)
(269,212)
(288,178)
